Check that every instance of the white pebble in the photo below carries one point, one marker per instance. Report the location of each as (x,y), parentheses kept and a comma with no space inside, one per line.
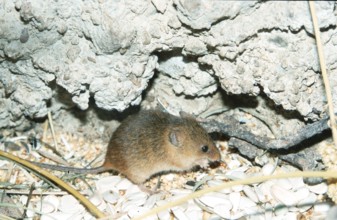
(322,207)
(128,205)
(223,210)
(124,184)
(68,204)
(137,196)
(55,200)
(266,190)
(284,183)
(216,183)
(236,175)
(268,214)
(220,176)
(214,217)
(250,193)
(169,177)
(57,215)
(235,198)
(179,213)
(23,199)
(102,206)
(193,211)
(164,215)
(96,199)
(332,213)
(124,217)
(194,214)
(46,207)
(233,164)
(288,197)
(285,196)
(107,183)
(296,182)
(307,202)
(151,201)
(246,203)
(49,204)
(180,191)
(254,210)
(202,176)
(132,189)
(302,193)
(110,197)
(237,188)
(214,199)
(293,209)
(260,195)
(268,169)
(280,210)
(287,216)
(30,211)
(136,211)
(319,188)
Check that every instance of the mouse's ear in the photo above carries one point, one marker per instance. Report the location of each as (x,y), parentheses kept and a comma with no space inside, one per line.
(174,138)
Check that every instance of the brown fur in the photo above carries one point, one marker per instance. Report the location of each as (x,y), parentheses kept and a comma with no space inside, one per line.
(152,142)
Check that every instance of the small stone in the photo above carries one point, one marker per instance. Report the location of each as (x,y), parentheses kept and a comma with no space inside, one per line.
(57,215)
(246,203)
(107,183)
(332,214)
(179,213)
(280,210)
(250,193)
(214,199)
(110,197)
(297,183)
(235,199)
(223,210)
(68,204)
(136,211)
(268,169)
(307,202)
(160,5)
(319,188)
(284,183)
(151,201)
(324,207)
(283,195)
(96,199)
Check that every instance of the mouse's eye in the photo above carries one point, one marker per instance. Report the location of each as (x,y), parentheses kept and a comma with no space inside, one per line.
(204,148)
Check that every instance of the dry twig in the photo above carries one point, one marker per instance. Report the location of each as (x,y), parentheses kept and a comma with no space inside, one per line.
(324,73)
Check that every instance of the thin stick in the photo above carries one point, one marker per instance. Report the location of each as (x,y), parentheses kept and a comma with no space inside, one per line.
(52,130)
(92,208)
(323,70)
(4,217)
(45,128)
(39,192)
(32,187)
(247,181)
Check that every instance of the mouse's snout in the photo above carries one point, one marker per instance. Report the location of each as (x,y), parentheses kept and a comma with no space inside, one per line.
(216,156)
(213,153)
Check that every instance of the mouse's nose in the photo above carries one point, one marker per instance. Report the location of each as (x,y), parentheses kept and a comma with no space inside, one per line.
(216,156)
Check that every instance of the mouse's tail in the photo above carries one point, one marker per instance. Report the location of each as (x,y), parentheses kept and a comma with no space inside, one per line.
(71,169)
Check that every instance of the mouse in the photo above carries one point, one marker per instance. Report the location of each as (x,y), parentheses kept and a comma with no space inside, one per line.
(153,142)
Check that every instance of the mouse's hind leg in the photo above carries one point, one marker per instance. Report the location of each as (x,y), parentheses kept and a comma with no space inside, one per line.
(137,179)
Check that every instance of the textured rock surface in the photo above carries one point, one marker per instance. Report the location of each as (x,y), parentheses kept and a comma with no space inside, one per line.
(109,51)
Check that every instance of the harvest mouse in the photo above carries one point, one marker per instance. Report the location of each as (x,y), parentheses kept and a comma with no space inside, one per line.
(153,142)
